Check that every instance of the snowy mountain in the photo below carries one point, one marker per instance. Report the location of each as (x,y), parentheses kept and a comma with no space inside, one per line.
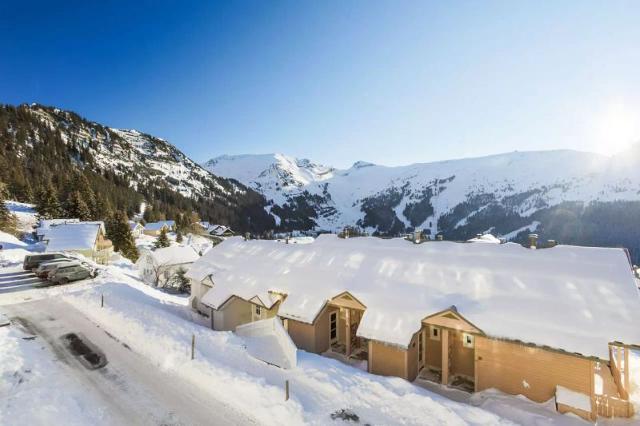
(566,195)
(40,144)
(125,151)
(273,174)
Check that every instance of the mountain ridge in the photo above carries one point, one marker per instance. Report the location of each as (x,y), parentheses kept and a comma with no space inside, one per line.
(42,146)
(509,194)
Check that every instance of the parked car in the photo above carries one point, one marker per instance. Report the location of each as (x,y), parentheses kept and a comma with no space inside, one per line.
(32,261)
(42,271)
(65,273)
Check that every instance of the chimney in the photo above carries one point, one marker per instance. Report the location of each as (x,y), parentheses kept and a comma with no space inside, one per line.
(533,241)
(417,236)
(439,237)
(478,235)
(247,236)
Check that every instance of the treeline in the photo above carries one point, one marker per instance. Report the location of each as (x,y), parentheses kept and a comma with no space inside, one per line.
(43,163)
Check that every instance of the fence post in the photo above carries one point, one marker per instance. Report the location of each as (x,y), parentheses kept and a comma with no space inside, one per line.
(286,390)
(193,345)
(102,300)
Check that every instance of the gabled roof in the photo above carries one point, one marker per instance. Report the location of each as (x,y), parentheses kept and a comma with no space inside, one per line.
(73,236)
(133,225)
(572,298)
(219,230)
(156,226)
(175,255)
(46,224)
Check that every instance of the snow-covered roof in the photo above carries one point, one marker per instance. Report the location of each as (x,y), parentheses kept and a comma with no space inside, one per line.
(218,230)
(156,226)
(133,225)
(46,224)
(572,298)
(485,238)
(73,236)
(175,255)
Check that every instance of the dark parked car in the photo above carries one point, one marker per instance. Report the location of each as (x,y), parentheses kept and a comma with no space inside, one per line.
(32,261)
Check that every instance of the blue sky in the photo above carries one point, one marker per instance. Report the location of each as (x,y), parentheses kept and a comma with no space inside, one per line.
(382,81)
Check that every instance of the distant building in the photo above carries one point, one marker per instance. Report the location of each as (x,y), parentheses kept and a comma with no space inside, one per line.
(160,266)
(85,238)
(154,228)
(556,322)
(220,231)
(216,230)
(137,228)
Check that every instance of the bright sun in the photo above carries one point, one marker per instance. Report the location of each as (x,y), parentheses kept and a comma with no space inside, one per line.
(618,128)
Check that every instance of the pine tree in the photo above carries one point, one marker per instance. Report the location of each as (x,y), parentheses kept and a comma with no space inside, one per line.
(162,240)
(119,232)
(47,204)
(76,207)
(8,221)
(102,209)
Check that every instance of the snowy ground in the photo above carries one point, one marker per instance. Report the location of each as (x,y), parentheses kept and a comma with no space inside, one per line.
(150,378)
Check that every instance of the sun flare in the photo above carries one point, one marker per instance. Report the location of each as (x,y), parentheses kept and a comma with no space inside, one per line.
(618,128)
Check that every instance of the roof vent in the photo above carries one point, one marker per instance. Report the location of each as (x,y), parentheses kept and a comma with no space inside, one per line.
(533,241)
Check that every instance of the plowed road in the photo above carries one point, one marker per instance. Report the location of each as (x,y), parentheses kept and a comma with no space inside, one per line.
(133,391)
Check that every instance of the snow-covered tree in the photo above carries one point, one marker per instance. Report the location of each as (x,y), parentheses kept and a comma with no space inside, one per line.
(119,232)
(162,240)
(180,281)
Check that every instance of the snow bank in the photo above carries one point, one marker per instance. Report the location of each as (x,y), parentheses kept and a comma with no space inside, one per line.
(223,369)
(268,341)
(573,399)
(9,241)
(485,238)
(523,411)
(588,295)
(31,381)
(13,250)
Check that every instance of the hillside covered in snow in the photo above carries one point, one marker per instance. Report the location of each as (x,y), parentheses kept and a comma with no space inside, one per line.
(43,145)
(565,195)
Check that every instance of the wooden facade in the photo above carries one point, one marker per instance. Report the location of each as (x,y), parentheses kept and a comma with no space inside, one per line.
(448,348)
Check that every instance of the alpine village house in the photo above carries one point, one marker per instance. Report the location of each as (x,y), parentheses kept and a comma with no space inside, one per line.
(555,322)
(85,238)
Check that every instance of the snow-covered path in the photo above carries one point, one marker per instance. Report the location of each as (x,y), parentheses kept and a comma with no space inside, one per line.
(129,389)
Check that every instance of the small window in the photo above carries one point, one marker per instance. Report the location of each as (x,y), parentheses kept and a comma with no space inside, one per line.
(258,310)
(435,333)
(468,340)
(334,325)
